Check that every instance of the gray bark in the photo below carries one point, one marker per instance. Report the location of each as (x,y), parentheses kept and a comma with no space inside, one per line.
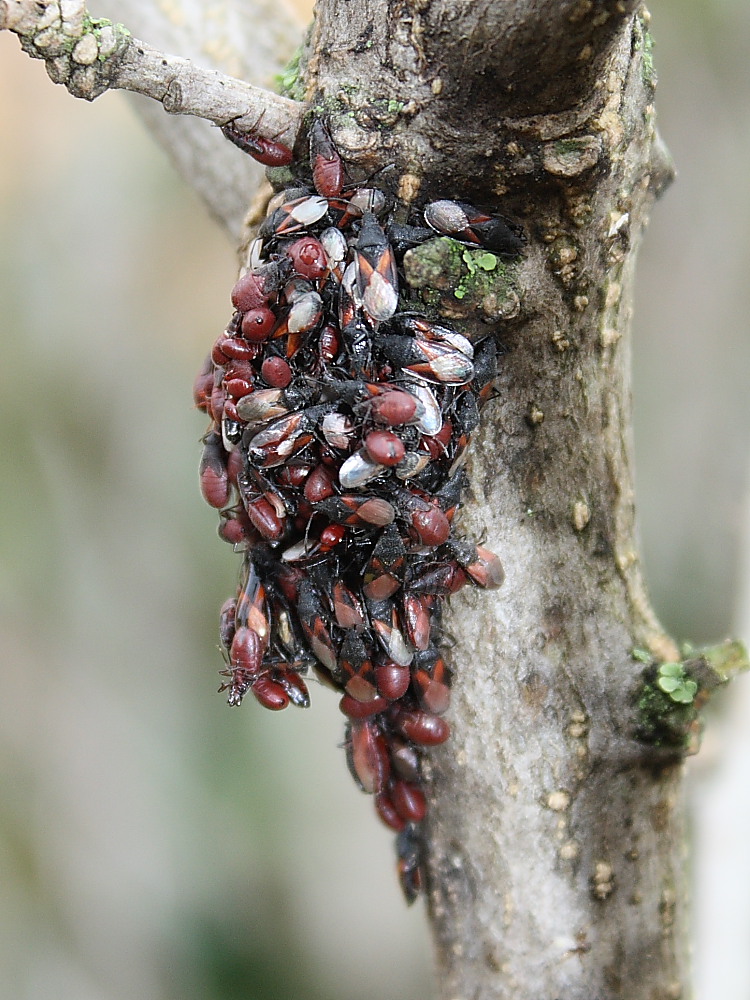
(555,837)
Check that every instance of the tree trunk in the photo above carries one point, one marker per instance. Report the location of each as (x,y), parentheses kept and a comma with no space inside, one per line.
(555,841)
(555,838)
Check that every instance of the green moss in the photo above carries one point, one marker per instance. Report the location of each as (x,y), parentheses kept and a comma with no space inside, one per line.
(478,264)
(661,721)
(431,300)
(384,113)
(643,42)
(435,264)
(564,147)
(289,80)
(672,693)
(476,260)
(446,271)
(642,655)
(280,177)
(672,679)
(95,26)
(94,23)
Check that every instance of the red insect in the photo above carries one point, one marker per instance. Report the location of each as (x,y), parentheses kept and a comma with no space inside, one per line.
(385,570)
(308,256)
(367,755)
(388,813)
(394,407)
(313,619)
(348,610)
(392,680)
(356,669)
(294,216)
(416,618)
(362,709)
(422,728)
(432,682)
(384,447)
(214,480)
(293,685)
(257,288)
(263,505)
(408,800)
(327,168)
(257,324)
(266,151)
(236,529)
(276,371)
(385,623)
(271,693)
(355,510)
(282,438)
(203,385)
(433,360)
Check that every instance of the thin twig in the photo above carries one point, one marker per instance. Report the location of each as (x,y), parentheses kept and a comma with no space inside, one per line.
(90,56)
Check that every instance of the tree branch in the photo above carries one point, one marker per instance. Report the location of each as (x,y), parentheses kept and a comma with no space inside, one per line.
(546,790)
(555,835)
(90,56)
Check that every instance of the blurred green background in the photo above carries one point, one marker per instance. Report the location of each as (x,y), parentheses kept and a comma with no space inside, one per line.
(153,843)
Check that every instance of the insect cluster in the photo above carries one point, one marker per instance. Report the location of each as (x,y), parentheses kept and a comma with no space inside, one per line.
(338,428)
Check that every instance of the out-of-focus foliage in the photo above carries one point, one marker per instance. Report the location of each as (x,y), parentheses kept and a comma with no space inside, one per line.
(692,349)
(692,424)
(153,842)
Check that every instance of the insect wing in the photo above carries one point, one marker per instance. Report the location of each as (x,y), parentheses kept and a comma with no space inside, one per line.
(375,271)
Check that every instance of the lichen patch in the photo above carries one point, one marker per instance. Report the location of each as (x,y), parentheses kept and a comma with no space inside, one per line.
(558,801)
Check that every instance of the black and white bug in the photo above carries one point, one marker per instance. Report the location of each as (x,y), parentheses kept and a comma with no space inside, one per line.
(470,225)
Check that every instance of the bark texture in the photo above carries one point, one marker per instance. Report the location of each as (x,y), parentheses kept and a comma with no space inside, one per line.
(555,837)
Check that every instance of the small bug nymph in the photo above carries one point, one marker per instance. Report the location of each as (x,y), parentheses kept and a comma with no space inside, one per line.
(266,151)
(325,162)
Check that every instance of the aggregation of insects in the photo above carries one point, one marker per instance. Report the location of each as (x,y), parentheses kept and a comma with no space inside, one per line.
(339,424)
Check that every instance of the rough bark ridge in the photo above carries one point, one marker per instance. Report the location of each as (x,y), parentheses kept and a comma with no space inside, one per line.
(555,841)
(555,836)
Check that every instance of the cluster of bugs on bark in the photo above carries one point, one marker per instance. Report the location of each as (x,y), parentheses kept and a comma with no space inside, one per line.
(339,424)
